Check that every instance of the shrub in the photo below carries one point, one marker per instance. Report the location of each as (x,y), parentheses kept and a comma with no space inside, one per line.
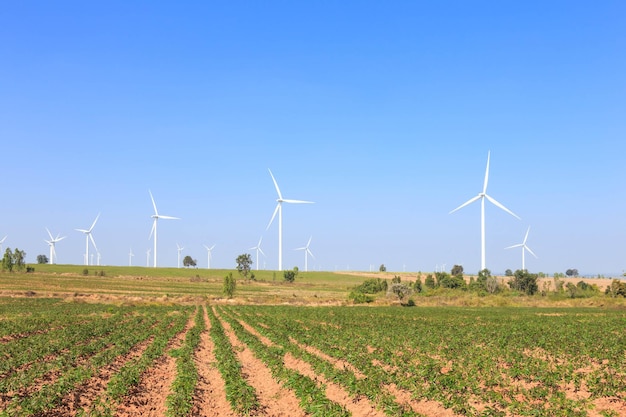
(289,276)
(230,285)
(524,281)
(360,298)
(372,286)
(399,290)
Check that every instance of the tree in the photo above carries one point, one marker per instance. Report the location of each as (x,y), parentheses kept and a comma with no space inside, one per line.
(572,272)
(189,261)
(244,261)
(382,268)
(19,257)
(230,284)
(508,273)
(42,259)
(7,260)
(289,275)
(457,270)
(524,281)
(429,282)
(400,290)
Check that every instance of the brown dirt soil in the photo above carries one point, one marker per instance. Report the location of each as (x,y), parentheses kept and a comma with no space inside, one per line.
(422,407)
(274,399)
(357,406)
(338,363)
(210,396)
(148,398)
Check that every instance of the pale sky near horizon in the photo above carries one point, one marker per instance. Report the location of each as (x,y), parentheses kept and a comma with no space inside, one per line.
(382,113)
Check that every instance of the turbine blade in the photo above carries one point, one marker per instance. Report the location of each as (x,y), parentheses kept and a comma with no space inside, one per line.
(49,234)
(527,248)
(309,242)
(93,242)
(310,253)
(514,246)
(212,247)
(153,227)
(496,203)
(3,239)
(153,203)
(169,218)
(273,215)
(82,230)
(261,250)
(486,173)
(298,202)
(94,222)
(526,237)
(280,197)
(468,202)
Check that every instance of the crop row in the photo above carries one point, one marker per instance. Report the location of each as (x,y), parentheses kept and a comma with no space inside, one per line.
(475,362)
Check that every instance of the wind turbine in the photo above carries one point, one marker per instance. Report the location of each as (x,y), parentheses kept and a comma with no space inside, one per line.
(258,249)
(130,257)
(279,210)
(179,251)
(156,216)
(89,236)
(148,257)
(1,242)
(524,248)
(51,243)
(482,196)
(307,252)
(208,249)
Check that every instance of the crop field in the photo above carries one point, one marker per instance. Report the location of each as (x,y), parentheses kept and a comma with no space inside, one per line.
(72,358)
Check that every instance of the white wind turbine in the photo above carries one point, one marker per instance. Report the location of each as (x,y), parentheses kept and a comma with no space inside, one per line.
(524,249)
(258,249)
(279,210)
(130,257)
(148,257)
(1,242)
(180,249)
(51,243)
(208,249)
(156,216)
(307,252)
(482,196)
(89,236)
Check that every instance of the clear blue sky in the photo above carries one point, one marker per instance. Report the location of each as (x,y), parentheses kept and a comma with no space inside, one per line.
(382,113)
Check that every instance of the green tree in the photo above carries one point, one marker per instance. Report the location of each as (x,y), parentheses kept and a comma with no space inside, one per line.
(19,259)
(230,284)
(42,259)
(508,273)
(457,270)
(524,281)
(189,261)
(7,260)
(417,286)
(400,290)
(382,268)
(244,262)
(572,272)
(429,282)
(289,275)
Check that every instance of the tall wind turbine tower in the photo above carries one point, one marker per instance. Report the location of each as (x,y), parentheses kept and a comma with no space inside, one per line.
(524,249)
(180,249)
(156,216)
(1,242)
(279,210)
(258,249)
(208,249)
(307,252)
(89,236)
(482,196)
(52,242)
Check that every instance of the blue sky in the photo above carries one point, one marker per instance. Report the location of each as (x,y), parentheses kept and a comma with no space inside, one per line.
(382,113)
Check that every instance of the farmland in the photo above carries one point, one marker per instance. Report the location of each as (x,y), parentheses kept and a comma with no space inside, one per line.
(64,357)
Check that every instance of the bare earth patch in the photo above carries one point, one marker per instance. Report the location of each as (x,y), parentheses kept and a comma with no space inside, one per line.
(210,396)
(274,399)
(338,363)
(148,398)
(423,407)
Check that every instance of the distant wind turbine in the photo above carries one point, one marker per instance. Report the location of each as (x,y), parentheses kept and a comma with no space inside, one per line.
(148,257)
(89,236)
(130,257)
(307,252)
(156,216)
(208,249)
(1,242)
(524,249)
(482,196)
(258,249)
(180,249)
(279,210)
(51,243)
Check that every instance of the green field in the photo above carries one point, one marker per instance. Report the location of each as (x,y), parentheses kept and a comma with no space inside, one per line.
(62,357)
